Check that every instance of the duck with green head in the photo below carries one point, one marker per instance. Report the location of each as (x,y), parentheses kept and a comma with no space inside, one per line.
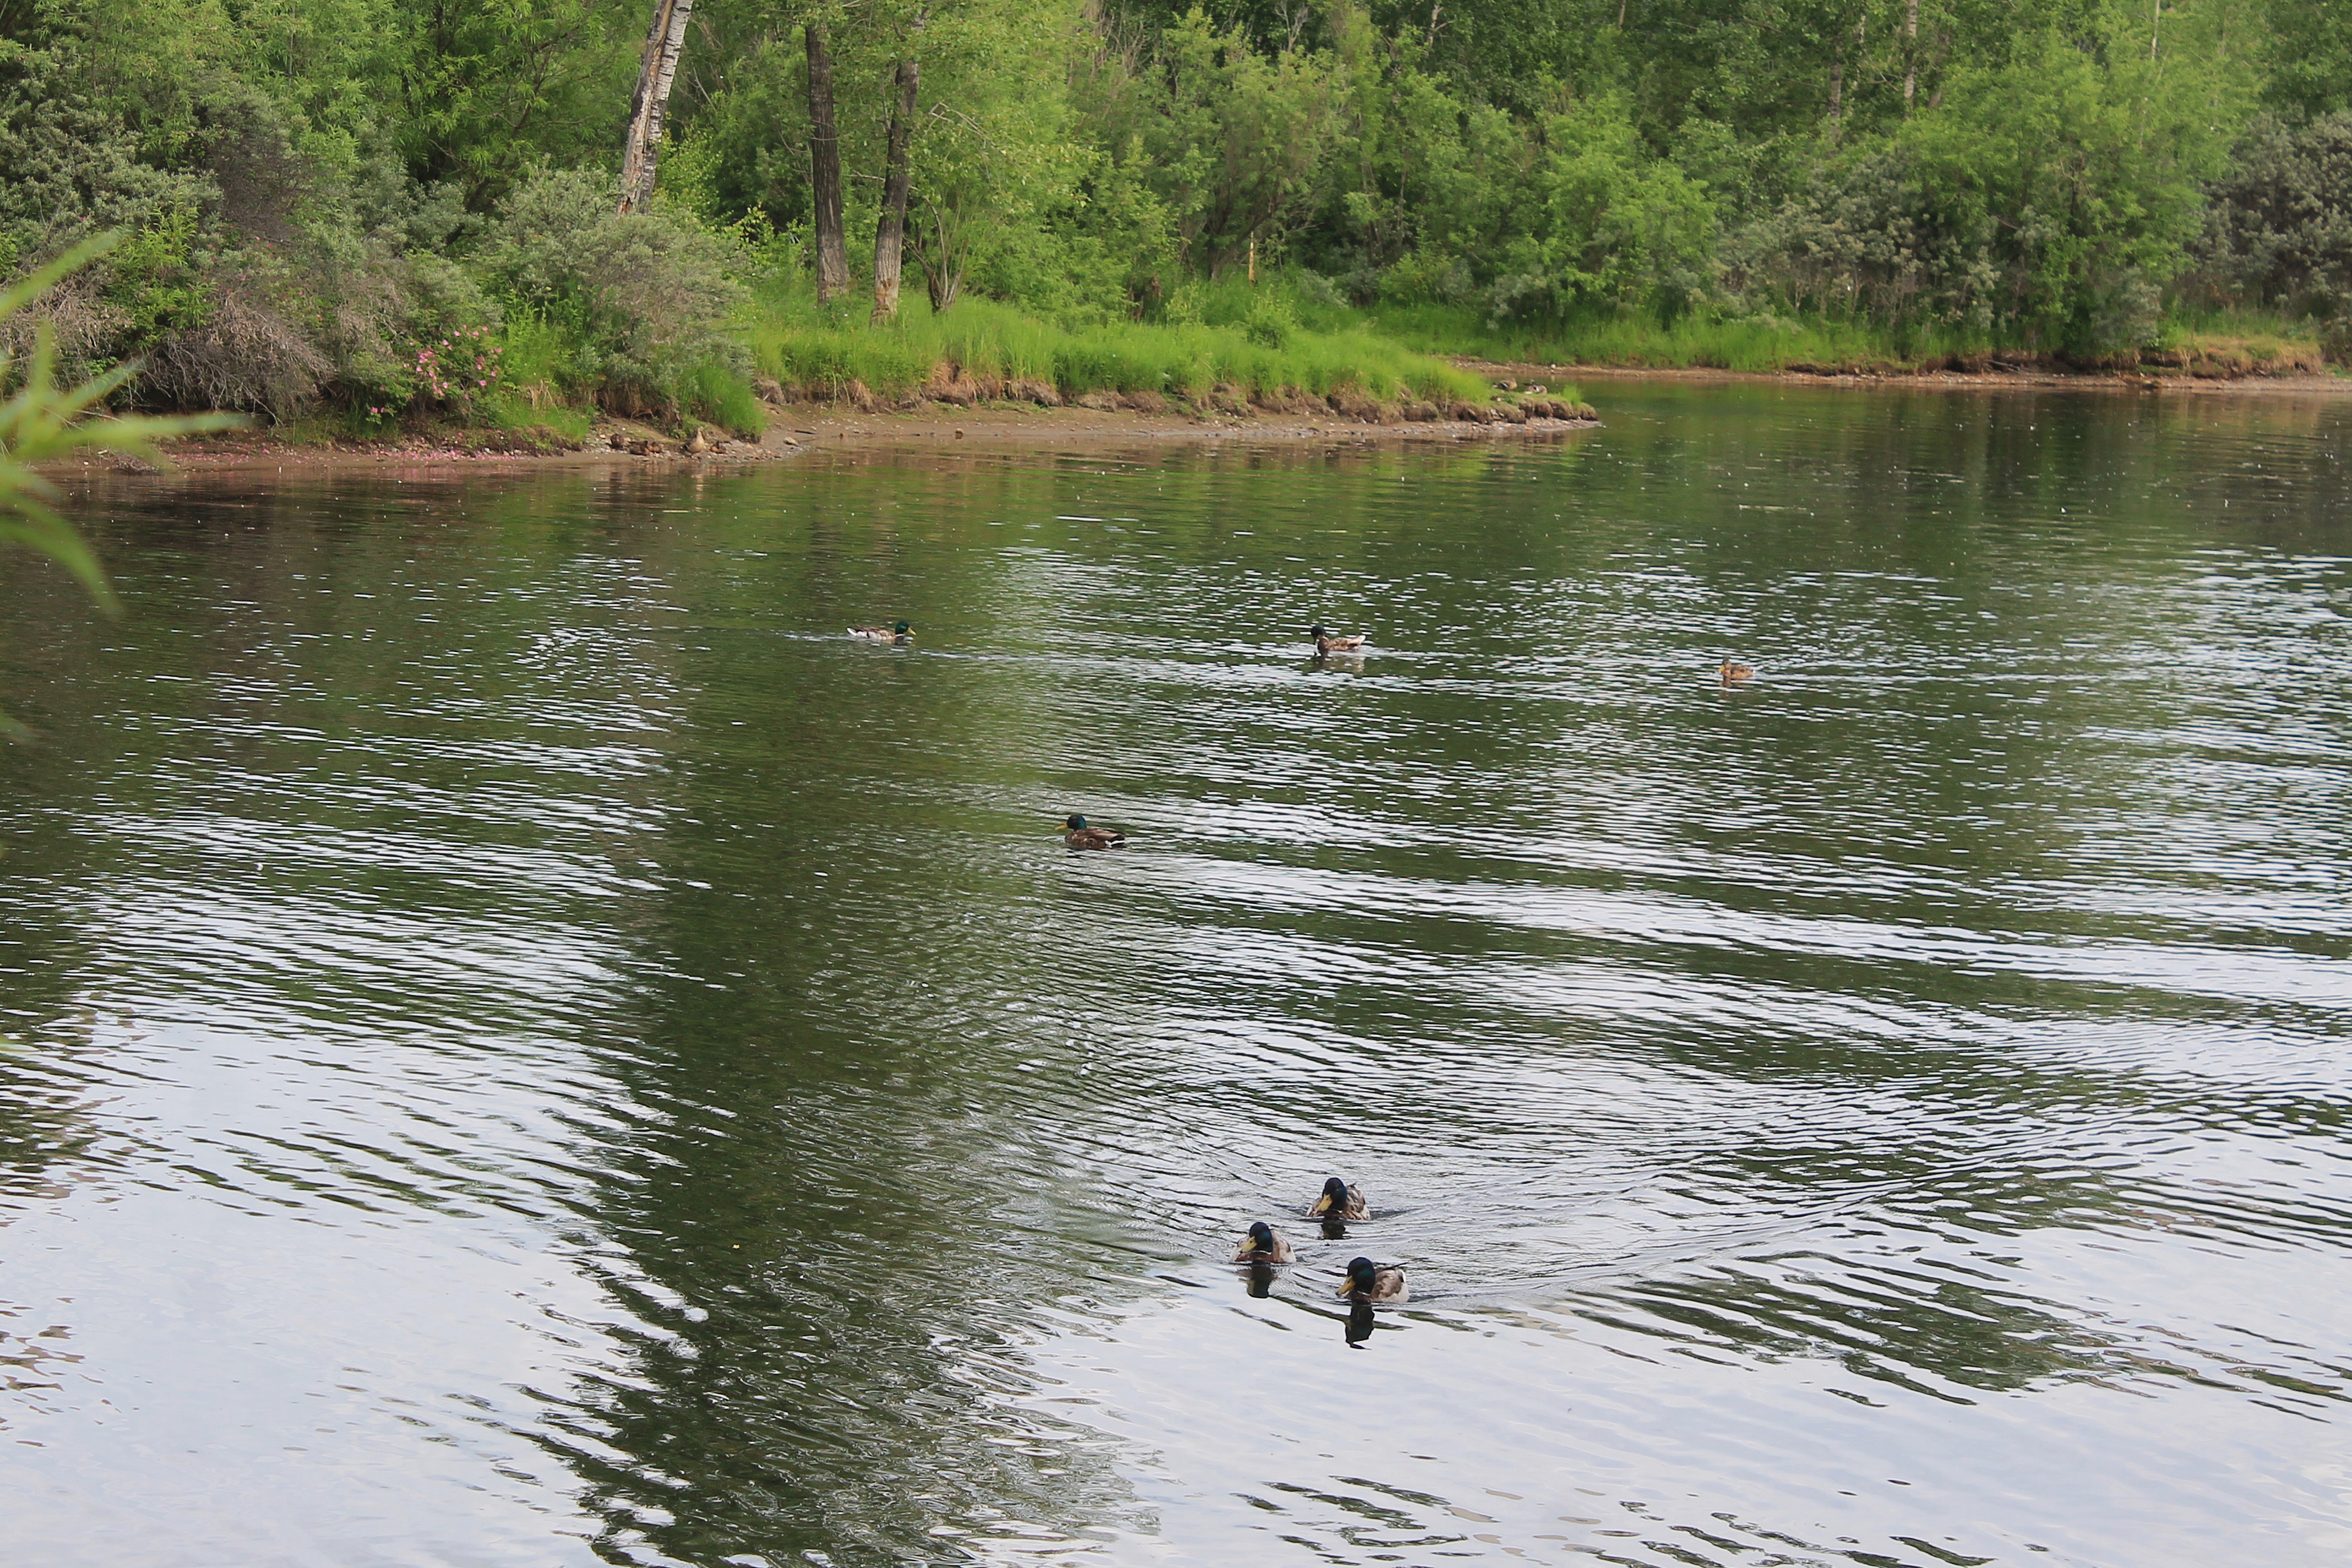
(1081,836)
(1339,1201)
(1261,1244)
(1371,1281)
(898,636)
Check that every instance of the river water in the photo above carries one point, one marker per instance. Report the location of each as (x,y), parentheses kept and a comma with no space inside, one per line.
(524,1044)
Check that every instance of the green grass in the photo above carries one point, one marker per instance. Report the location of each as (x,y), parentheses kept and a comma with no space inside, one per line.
(1755,343)
(823,350)
(2240,343)
(2186,322)
(2221,342)
(717,395)
(541,364)
(517,416)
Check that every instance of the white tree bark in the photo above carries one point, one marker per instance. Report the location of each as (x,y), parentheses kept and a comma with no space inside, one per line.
(663,39)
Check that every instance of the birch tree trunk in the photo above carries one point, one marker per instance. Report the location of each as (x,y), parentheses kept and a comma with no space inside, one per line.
(1910,52)
(825,170)
(663,39)
(890,233)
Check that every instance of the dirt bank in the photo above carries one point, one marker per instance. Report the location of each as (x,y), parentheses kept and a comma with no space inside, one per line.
(1993,380)
(798,430)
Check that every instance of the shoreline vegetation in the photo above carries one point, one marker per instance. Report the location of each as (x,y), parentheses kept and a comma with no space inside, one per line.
(512,224)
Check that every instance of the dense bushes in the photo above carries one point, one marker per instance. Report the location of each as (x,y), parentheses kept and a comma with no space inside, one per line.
(2279,233)
(642,302)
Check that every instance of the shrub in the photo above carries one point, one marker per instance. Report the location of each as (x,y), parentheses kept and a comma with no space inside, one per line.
(2278,232)
(73,170)
(2042,202)
(647,297)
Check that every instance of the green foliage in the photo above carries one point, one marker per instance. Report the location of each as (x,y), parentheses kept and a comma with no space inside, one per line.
(41,420)
(313,189)
(1614,227)
(2045,202)
(73,171)
(721,395)
(646,299)
(486,88)
(2307,49)
(1228,136)
(2279,234)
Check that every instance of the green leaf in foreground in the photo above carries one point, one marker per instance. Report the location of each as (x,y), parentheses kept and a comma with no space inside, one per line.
(42,420)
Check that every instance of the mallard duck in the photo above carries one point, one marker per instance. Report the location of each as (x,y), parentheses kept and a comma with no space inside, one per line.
(898,636)
(1339,1201)
(1262,1246)
(1371,1281)
(1734,672)
(1325,642)
(1081,836)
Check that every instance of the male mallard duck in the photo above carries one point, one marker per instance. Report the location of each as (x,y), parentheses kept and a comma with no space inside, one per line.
(1734,672)
(1327,643)
(1339,1201)
(1371,1281)
(899,636)
(1081,836)
(1262,1246)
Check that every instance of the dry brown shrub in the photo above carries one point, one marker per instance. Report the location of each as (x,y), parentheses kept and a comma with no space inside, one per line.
(246,354)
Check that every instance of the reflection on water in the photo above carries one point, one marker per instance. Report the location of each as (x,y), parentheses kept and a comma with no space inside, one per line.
(524,1043)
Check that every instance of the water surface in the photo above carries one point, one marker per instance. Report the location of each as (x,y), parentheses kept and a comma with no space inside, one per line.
(524,1044)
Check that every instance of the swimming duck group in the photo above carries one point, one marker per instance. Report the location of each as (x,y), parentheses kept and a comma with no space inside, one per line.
(1365,1281)
(1080,834)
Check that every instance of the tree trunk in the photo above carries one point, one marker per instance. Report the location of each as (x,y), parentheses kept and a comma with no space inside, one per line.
(943,276)
(941,260)
(663,39)
(890,233)
(1837,93)
(825,170)
(1910,52)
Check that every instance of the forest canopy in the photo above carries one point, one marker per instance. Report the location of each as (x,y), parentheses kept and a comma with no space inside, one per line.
(373,207)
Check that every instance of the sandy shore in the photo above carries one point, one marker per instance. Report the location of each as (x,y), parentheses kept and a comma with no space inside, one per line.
(800,430)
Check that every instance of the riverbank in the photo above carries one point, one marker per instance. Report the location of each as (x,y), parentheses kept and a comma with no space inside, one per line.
(798,430)
(1997,378)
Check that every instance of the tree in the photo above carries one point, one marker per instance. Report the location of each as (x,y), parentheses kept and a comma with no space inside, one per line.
(825,166)
(664,42)
(890,230)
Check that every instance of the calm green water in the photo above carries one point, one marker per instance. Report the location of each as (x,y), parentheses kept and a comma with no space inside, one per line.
(525,1045)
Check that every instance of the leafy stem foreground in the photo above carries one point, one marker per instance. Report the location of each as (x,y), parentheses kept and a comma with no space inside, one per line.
(41,420)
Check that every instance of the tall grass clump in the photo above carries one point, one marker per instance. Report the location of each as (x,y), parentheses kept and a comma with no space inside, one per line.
(717,396)
(825,353)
